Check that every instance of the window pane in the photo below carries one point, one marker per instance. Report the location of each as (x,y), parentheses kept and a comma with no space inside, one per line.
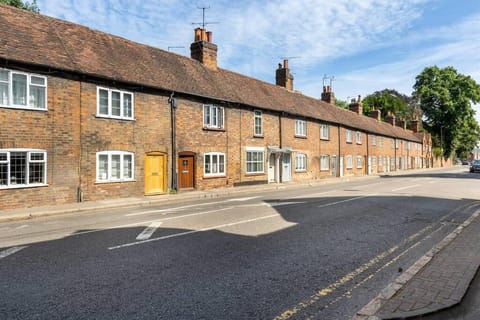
(115,166)
(19,86)
(4,93)
(103,167)
(214,164)
(103,102)
(37,156)
(36,172)
(3,156)
(116,111)
(221,164)
(127,166)
(18,167)
(37,97)
(127,105)
(3,87)
(3,174)
(37,80)
(207,164)
(206,115)
(4,75)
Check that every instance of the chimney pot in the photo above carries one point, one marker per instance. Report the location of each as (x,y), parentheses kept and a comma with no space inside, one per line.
(285,64)
(209,36)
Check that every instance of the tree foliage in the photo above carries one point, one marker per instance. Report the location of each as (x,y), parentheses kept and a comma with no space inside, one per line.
(23,4)
(341,103)
(389,100)
(446,98)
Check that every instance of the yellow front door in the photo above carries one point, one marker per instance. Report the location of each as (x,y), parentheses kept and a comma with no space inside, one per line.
(155,173)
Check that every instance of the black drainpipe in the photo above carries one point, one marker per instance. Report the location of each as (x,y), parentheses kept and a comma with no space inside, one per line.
(173,105)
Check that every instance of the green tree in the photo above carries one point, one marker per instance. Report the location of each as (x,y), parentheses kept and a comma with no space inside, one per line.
(23,5)
(389,100)
(446,98)
(341,103)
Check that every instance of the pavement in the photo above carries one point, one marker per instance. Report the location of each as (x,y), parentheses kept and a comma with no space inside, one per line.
(436,283)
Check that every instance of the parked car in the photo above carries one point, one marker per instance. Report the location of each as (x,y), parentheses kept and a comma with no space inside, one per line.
(465,162)
(475,167)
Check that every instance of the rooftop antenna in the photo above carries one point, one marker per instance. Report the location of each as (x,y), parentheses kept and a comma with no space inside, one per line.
(203,23)
(330,78)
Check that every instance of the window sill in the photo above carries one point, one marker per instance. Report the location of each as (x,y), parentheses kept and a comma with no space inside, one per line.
(114,181)
(23,186)
(325,139)
(260,136)
(100,116)
(214,177)
(252,174)
(214,129)
(23,108)
(300,137)
(301,170)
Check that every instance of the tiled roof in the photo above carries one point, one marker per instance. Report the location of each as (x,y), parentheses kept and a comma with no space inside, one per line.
(40,40)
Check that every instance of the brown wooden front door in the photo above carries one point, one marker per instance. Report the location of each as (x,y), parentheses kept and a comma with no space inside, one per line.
(185,172)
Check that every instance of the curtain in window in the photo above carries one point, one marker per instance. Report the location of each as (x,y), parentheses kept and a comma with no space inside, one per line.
(3,87)
(19,88)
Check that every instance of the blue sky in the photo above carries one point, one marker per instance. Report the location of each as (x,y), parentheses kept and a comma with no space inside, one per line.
(366,45)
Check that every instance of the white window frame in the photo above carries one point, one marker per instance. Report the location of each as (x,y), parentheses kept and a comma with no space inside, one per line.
(109,113)
(300,128)
(9,183)
(380,141)
(257,127)
(213,117)
(108,175)
(325,162)
(374,140)
(380,161)
(349,160)
(217,169)
(359,162)
(373,161)
(358,136)
(348,136)
(324,132)
(301,162)
(258,151)
(29,85)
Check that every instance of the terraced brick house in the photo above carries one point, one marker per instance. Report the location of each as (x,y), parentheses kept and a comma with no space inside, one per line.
(87,116)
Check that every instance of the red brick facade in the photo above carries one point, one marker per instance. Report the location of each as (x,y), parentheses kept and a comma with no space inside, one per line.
(236,130)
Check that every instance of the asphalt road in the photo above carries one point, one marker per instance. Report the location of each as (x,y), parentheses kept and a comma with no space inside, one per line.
(319,252)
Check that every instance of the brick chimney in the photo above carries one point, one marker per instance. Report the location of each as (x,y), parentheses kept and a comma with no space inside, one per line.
(283,77)
(375,114)
(356,105)
(390,118)
(415,124)
(402,123)
(327,95)
(203,50)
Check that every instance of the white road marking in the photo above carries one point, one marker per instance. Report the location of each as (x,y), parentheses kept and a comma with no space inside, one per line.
(407,187)
(148,232)
(10,251)
(342,201)
(276,204)
(174,208)
(242,199)
(192,232)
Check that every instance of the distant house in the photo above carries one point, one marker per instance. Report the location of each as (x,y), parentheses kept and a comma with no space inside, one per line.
(87,116)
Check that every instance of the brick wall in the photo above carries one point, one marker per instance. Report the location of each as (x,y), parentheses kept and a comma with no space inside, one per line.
(56,131)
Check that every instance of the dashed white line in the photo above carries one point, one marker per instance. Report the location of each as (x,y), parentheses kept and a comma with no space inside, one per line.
(407,187)
(10,251)
(342,201)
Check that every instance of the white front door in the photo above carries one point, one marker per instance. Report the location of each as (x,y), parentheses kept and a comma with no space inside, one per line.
(341,166)
(286,168)
(272,168)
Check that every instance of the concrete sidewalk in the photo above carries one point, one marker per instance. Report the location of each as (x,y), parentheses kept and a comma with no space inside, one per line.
(437,281)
